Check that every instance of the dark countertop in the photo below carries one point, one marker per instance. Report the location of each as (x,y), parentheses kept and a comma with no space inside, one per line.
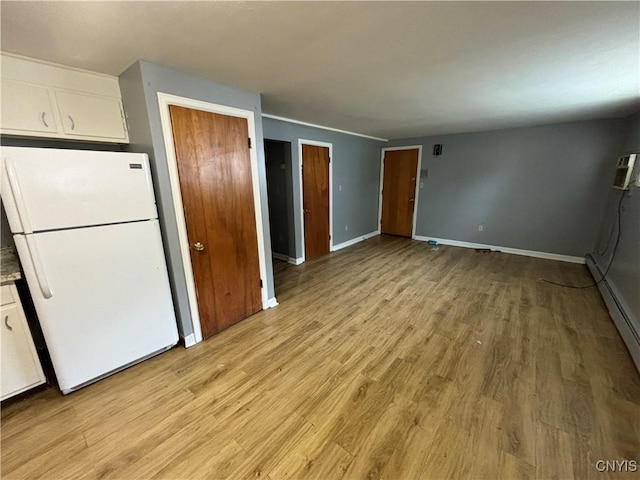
(9,265)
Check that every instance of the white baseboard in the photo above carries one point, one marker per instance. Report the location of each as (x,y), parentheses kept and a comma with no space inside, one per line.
(285,258)
(353,241)
(280,256)
(514,251)
(272,302)
(189,341)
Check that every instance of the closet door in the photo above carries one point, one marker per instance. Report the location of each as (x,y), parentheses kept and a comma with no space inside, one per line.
(214,167)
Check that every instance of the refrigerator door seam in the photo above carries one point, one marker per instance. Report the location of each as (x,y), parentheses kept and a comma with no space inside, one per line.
(17,195)
(49,230)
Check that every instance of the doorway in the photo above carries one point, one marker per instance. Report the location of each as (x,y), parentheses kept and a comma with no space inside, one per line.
(214,168)
(316,193)
(221,214)
(278,163)
(279,171)
(398,190)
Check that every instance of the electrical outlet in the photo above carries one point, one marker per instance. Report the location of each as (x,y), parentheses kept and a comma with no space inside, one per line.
(346,228)
(421,184)
(339,188)
(480,227)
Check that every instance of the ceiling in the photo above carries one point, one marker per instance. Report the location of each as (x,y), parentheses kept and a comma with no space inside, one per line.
(389,69)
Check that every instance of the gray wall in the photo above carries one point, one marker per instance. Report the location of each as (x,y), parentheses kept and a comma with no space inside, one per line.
(139,86)
(356,168)
(280,192)
(540,188)
(624,275)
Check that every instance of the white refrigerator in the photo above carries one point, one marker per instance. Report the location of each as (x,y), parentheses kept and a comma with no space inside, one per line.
(86,229)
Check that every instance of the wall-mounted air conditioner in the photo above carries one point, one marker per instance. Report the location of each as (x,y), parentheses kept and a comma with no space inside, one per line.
(624,171)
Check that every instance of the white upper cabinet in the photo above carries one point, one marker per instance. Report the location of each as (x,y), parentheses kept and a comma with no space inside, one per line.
(46,100)
(26,108)
(79,115)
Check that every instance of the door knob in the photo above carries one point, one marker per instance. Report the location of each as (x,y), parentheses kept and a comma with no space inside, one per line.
(198,246)
(411,200)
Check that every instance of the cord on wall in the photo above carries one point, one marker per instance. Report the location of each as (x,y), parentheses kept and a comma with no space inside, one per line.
(613,253)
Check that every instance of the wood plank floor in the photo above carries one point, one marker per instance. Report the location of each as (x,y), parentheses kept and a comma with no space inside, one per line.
(388,359)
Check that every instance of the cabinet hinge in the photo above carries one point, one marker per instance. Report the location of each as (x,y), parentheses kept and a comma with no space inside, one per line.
(249,141)
(260,283)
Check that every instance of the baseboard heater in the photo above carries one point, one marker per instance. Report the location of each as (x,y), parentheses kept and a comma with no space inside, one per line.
(621,314)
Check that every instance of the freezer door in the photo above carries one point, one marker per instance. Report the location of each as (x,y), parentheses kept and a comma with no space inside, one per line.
(50,189)
(107,301)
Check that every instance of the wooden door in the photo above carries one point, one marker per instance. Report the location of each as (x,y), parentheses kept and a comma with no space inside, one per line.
(399,191)
(315,189)
(214,167)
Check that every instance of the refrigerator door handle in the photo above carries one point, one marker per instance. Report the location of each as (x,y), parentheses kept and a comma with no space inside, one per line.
(45,288)
(17,195)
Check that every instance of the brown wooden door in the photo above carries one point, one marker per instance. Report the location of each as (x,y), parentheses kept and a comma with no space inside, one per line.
(399,191)
(315,188)
(214,167)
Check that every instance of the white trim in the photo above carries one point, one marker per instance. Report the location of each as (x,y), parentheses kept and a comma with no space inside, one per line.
(272,302)
(284,258)
(353,241)
(417,185)
(514,251)
(306,124)
(279,256)
(302,141)
(189,341)
(164,100)
(59,65)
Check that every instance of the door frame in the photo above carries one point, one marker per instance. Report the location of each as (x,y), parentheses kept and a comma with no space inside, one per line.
(164,101)
(417,185)
(301,142)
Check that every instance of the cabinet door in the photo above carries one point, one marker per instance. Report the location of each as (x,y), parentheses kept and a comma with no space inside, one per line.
(85,115)
(26,109)
(21,368)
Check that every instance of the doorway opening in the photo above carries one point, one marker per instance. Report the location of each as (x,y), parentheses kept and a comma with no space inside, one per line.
(279,168)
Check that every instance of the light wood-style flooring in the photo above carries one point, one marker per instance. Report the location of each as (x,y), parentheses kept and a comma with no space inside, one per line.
(388,359)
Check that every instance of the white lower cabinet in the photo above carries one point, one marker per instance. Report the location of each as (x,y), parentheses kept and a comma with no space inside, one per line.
(21,369)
